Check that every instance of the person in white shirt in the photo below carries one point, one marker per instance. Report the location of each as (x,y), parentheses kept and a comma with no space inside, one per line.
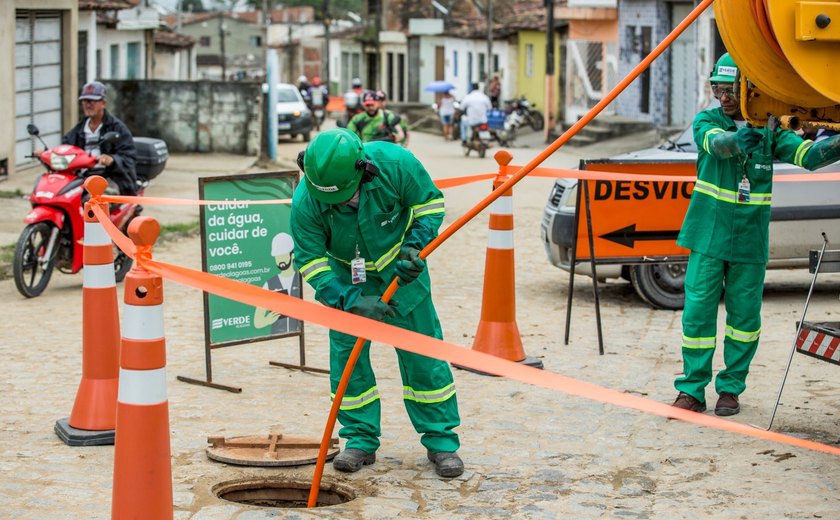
(474,107)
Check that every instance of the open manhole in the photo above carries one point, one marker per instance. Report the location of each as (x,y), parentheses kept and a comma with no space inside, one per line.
(281,492)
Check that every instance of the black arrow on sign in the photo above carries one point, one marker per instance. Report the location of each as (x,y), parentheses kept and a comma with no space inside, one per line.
(627,236)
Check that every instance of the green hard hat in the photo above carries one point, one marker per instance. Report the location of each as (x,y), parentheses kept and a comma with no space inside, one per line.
(331,165)
(725,70)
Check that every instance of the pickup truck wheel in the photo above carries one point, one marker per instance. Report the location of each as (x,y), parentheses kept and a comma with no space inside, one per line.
(660,285)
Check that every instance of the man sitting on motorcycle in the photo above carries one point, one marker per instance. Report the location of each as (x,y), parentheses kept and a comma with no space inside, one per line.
(118,157)
(474,108)
(375,124)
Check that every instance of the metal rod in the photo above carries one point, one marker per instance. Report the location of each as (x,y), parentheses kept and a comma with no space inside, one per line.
(798,330)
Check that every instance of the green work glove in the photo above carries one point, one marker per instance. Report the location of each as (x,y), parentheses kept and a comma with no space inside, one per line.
(409,265)
(372,307)
(749,139)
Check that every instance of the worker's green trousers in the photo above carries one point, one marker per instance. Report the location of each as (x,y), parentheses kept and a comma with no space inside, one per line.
(704,281)
(428,388)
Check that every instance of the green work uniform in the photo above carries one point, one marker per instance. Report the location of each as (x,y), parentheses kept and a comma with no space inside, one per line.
(399,207)
(728,237)
(379,127)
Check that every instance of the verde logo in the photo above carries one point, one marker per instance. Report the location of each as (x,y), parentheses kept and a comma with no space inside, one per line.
(389,220)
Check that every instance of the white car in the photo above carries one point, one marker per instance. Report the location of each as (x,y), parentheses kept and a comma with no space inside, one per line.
(293,116)
(800,212)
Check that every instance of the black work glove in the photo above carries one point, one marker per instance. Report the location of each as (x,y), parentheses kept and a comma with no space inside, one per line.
(409,265)
(372,307)
(749,139)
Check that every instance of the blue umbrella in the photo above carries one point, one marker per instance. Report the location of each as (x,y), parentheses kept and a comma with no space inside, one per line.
(439,86)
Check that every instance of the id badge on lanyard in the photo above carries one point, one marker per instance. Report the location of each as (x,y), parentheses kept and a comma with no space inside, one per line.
(744,189)
(357,268)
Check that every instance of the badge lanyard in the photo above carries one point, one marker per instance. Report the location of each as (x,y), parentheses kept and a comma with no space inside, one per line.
(357,268)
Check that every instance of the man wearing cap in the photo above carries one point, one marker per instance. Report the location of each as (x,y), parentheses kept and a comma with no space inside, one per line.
(118,157)
(375,124)
(727,230)
(360,218)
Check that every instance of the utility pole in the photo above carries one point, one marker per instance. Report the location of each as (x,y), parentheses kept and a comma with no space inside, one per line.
(549,72)
(222,44)
(489,72)
(326,62)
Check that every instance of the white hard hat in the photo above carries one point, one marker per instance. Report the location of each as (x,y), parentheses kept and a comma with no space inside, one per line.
(302,79)
(282,244)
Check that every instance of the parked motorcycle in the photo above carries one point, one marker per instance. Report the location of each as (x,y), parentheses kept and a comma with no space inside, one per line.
(529,116)
(54,234)
(478,141)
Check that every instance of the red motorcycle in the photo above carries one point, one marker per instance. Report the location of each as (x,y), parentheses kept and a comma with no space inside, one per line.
(54,234)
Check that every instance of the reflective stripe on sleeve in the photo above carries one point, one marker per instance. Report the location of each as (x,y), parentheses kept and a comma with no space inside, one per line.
(98,276)
(429,396)
(314,267)
(708,136)
(803,148)
(142,386)
(428,208)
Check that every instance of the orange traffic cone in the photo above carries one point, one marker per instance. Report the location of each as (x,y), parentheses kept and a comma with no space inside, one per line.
(498,334)
(142,469)
(92,421)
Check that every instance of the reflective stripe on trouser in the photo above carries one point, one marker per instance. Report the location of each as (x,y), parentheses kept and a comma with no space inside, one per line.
(434,413)
(704,281)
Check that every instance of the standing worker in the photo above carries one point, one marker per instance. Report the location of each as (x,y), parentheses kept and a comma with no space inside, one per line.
(726,228)
(361,217)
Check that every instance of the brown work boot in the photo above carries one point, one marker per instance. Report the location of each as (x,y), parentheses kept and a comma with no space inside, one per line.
(727,404)
(687,402)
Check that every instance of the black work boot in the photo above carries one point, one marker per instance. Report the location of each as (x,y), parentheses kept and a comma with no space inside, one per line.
(447,463)
(352,459)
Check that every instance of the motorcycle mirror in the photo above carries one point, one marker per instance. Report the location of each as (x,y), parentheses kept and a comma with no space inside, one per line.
(110,137)
(32,129)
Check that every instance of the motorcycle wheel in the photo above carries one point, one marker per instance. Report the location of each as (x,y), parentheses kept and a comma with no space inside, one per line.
(31,272)
(535,119)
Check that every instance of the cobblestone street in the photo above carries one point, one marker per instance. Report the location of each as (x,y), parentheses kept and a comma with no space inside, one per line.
(529,452)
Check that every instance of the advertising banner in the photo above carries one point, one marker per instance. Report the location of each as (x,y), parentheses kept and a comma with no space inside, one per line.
(249,243)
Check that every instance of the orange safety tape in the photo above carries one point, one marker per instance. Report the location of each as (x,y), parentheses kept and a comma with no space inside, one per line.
(426,346)
(123,242)
(460,181)
(419,344)
(130,199)
(616,176)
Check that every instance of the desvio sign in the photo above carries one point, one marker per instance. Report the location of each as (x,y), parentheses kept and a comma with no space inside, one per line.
(633,219)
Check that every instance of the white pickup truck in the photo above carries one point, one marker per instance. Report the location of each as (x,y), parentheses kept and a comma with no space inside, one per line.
(800,212)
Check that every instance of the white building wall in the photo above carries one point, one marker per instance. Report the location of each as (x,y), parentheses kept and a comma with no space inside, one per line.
(457,67)
(108,37)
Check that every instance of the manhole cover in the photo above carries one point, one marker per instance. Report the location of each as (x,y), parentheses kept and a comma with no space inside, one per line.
(275,449)
(281,492)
